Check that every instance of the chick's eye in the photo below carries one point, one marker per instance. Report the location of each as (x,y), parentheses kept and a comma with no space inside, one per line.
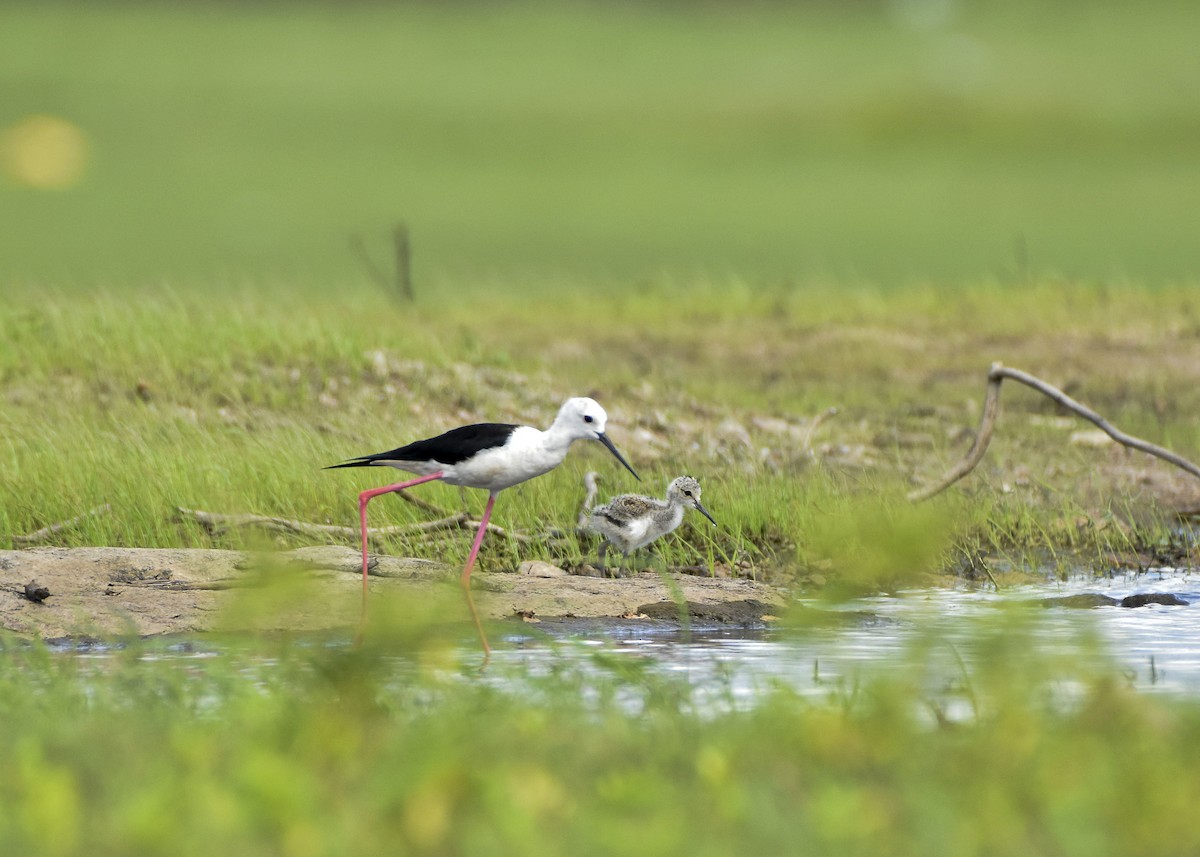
(588,418)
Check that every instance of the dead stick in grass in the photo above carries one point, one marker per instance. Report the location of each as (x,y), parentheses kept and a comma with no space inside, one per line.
(47,532)
(216,522)
(403,288)
(190,585)
(991,409)
(423,504)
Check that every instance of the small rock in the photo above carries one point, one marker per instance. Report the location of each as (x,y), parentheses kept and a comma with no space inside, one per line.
(35,593)
(777,426)
(745,612)
(380,367)
(538,568)
(1082,600)
(904,440)
(1141,600)
(730,429)
(1095,599)
(1089,437)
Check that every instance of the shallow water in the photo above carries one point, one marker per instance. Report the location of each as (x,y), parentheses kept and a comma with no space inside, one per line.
(1156,648)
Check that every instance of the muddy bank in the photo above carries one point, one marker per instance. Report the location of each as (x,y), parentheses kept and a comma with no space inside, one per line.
(143,591)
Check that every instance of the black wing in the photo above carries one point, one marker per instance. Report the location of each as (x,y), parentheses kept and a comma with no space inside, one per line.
(452,447)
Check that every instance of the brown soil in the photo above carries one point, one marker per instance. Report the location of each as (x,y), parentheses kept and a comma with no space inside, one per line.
(143,591)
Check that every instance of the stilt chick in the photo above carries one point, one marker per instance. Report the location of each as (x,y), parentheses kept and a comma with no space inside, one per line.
(631,521)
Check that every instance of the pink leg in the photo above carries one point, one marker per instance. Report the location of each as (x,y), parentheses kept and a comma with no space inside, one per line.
(466,575)
(363,499)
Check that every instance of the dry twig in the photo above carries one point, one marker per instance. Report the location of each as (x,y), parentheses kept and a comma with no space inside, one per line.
(403,286)
(218,522)
(403,246)
(991,409)
(45,533)
(425,505)
(191,585)
(360,250)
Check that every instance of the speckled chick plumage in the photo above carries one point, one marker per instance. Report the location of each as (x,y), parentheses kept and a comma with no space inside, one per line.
(630,521)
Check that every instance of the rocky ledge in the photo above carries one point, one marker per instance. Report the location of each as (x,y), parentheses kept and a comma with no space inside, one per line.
(69,592)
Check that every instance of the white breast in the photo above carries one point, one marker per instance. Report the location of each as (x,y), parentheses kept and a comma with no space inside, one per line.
(646,529)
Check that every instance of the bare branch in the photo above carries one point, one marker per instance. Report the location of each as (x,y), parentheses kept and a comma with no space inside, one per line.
(360,249)
(404,283)
(189,585)
(991,408)
(422,504)
(216,523)
(402,286)
(1094,418)
(45,533)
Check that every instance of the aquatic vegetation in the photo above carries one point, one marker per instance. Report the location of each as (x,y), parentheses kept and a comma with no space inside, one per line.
(298,747)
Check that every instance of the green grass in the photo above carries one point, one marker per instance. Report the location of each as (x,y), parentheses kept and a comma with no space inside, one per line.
(696,214)
(232,400)
(297,749)
(829,141)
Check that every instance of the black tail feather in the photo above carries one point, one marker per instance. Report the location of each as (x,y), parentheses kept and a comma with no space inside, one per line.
(356,462)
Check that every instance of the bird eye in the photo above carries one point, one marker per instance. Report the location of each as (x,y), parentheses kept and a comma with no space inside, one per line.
(687,493)
(588,418)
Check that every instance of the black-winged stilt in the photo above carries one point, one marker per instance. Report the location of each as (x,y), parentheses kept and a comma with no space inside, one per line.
(631,521)
(491,456)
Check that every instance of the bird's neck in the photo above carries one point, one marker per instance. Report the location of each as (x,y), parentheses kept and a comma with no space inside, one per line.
(557,440)
(672,514)
(548,448)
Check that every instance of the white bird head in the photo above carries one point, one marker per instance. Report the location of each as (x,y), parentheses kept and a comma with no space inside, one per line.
(582,418)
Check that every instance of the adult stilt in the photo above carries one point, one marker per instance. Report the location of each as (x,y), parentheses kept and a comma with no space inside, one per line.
(491,456)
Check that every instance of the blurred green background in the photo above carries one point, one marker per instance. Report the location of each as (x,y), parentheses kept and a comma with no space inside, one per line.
(865,141)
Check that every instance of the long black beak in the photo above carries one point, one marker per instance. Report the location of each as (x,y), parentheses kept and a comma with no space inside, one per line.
(603,438)
(704,512)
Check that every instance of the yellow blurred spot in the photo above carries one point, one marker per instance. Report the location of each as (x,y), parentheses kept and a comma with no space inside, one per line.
(427,817)
(712,765)
(44,152)
(536,791)
(302,839)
